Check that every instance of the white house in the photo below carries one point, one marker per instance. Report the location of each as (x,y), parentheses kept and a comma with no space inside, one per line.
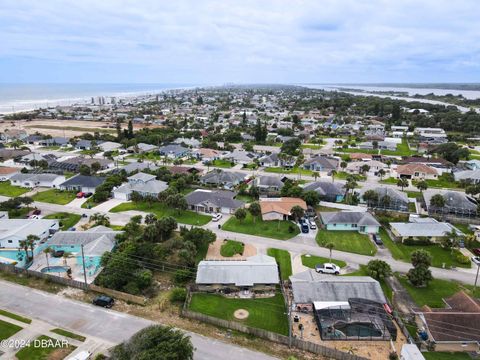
(142,183)
(37,180)
(12,231)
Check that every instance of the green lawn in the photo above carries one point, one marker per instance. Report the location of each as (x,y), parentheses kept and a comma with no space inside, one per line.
(294,170)
(245,198)
(402,150)
(403,252)
(322,208)
(442,183)
(350,241)
(390,180)
(433,294)
(283,260)
(311,146)
(67,220)
(446,356)
(89,203)
(411,207)
(68,334)
(267,313)
(343,175)
(413,194)
(6,189)
(54,196)
(311,261)
(222,163)
(272,229)
(15,316)
(7,329)
(19,213)
(40,352)
(161,210)
(231,247)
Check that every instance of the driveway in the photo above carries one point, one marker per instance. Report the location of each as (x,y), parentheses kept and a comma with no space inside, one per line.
(107,325)
(77,202)
(107,205)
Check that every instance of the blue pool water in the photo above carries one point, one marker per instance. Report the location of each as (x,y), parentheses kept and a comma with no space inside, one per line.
(55,269)
(17,255)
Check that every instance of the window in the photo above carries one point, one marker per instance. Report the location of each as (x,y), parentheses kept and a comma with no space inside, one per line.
(10,241)
(334,224)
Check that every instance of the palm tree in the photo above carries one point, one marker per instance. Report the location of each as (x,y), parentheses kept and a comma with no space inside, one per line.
(297,212)
(422,185)
(330,246)
(47,251)
(100,219)
(65,256)
(350,184)
(315,175)
(333,173)
(402,182)
(381,173)
(299,163)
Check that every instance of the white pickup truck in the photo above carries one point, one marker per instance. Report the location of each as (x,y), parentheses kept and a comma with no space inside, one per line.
(327,268)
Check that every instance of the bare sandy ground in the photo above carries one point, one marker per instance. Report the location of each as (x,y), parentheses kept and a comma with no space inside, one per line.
(213,252)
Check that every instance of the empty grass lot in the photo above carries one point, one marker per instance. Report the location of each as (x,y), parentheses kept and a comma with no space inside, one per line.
(403,252)
(294,170)
(272,229)
(161,210)
(311,261)
(67,220)
(68,334)
(7,329)
(446,355)
(15,316)
(54,196)
(40,353)
(350,241)
(222,163)
(231,247)
(284,261)
(6,189)
(267,313)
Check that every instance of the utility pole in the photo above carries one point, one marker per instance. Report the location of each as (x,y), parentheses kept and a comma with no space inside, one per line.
(476,278)
(84,272)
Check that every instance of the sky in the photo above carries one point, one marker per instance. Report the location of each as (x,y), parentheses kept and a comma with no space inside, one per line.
(242,41)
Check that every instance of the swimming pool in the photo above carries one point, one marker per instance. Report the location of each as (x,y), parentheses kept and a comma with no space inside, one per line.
(55,269)
(13,254)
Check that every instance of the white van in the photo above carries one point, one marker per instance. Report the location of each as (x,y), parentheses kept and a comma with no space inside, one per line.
(82,355)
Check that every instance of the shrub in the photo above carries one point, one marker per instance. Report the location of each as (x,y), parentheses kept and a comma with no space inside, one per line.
(178,295)
(462,259)
(291,228)
(182,276)
(420,241)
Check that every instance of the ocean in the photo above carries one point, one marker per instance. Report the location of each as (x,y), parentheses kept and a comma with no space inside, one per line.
(22,97)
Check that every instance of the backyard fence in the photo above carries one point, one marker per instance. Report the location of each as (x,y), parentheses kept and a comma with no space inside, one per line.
(264,334)
(12,269)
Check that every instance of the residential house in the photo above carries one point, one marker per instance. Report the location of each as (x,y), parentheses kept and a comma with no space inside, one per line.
(360,157)
(455,327)
(37,180)
(280,208)
(84,183)
(268,185)
(240,156)
(321,163)
(431,135)
(141,148)
(355,167)
(213,201)
(206,154)
(363,222)
(473,164)
(328,191)
(382,145)
(456,202)
(144,184)
(86,144)
(7,172)
(221,178)
(73,164)
(136,166)
(471,176)
(176,169)
(257,273)
(273,160)
(173,151)
(422,228)
(416,172)
(54,141)
(8,154)
(192,142)
(13,231)
(388,198)
(109,146)
(13,134)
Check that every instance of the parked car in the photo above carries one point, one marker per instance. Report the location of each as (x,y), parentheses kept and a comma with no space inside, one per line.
(327,268)
(312,224)
(476,251)
(37,212)
(83,355)
(476,260)
(58,253)
(80,195)
(71,229)
(304,227)
(216,217)
(88,194)
(84,215)
(104,301)
(377,239)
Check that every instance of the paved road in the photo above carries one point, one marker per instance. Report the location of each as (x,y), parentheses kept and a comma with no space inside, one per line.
(107,325)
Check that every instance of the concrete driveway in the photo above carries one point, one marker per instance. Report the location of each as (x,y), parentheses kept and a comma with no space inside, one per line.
(107,205)
(77,202)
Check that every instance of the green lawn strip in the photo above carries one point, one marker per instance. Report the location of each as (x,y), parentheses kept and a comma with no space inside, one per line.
(245,198)
(294,170)
(444,184)
(464,228)
(68,334)
(274,229)
(89,203)
(116,227)
(67,220)
(38,352)
(6,189)
(54,196)
(440,255)
(390,180)
(266,313)
(311,261)
(7,329)
(231,247)
(284,261)
(350,241)
(432,294)
(322,208)
(222,163)
(15,316)
(411,207)
(434,355)
(343,175)
(19,213)
(161,210)
(413,194)
(311,146)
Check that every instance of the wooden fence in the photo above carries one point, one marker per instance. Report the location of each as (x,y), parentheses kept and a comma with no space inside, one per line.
(73,283)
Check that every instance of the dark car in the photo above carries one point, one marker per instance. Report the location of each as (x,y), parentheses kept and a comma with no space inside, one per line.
(476,251)
(104,301)
(37,212)
(58,253)
(377,239)
(88,194)
(304,227)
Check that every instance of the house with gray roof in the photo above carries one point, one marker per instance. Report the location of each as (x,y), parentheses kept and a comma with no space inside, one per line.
(222,178)
(422,228)
(84,183)
(173,151)
(37,180)
(321,163)
(136,166)
(256,273)
(273,160)
(363,222)
(192,142)
(328,191)
(141,148)
(213,201)
(456,203)
(388,198)
(12,231)
(144,184)
(472,176)
(240,156)
(268,185)
(310,287)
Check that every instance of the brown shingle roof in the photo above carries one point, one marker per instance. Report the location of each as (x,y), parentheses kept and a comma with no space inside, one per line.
(4,170)
(411,169)
(281,205)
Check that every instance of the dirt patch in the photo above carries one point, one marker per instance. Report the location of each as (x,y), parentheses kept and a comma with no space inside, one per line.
(213,252)
(241,314)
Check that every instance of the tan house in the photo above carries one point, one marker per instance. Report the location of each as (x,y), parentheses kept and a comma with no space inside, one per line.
(280,208)
(416,172)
